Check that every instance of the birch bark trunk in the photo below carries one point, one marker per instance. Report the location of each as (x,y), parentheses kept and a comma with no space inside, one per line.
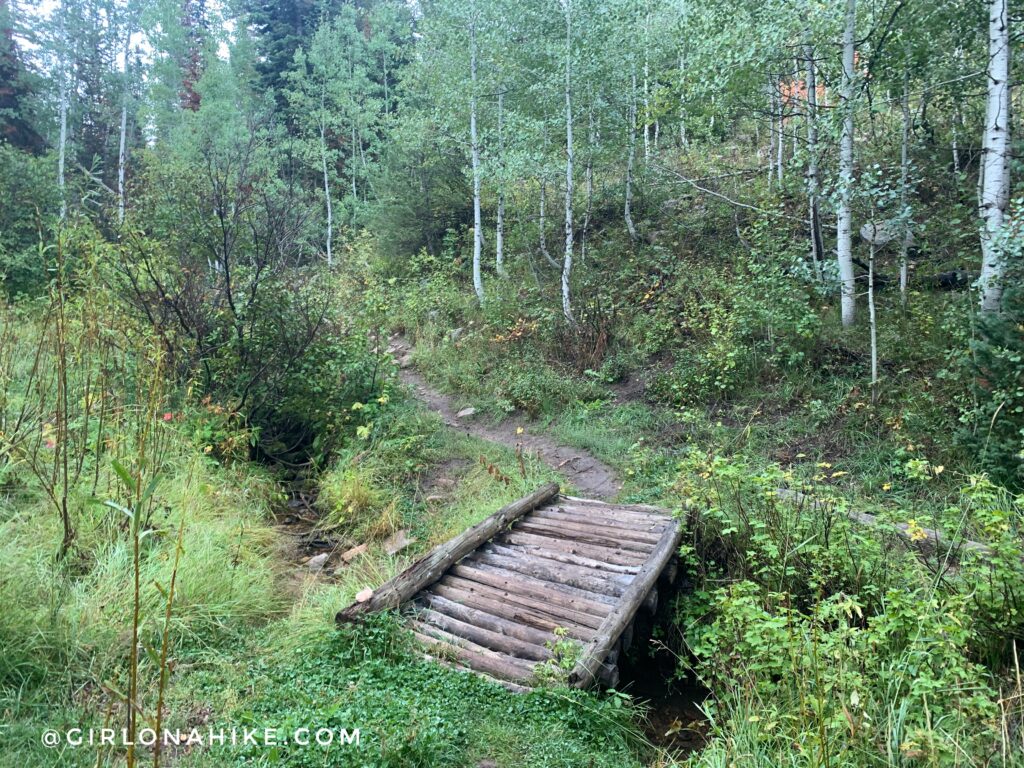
(814,217)
(589,181)
(122,149)
(478,285)
(499,227)
(63,108)
(567,258)
(631,159)
(905,188)
(844,239)
(995,178)
(873,324)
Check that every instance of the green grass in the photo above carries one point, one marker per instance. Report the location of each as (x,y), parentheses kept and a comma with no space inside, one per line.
(249,648)
(416,713)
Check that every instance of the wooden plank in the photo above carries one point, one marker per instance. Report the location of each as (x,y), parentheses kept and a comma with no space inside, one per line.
(486,638)
(472,655)
(455,666)
(599,520)
(429,569)
(581,534)
(516,584)
(499,603)
(635,508)
(594,653)
(487,620)
(624,514)
(648,535)
(563,557)
(558,573)
(615,556)
(514,581)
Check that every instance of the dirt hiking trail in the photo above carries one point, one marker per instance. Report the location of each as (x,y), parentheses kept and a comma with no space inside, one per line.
(591,476)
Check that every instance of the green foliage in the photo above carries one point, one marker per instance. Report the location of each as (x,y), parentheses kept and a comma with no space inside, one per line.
(28,202)
(833,641)
(415,713)
(744,324)
(994,424)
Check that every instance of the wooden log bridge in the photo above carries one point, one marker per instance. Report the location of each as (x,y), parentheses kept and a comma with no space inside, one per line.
(545,574)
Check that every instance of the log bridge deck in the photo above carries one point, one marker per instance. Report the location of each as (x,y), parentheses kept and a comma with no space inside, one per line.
(504,596)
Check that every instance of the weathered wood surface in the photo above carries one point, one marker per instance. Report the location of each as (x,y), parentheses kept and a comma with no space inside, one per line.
(543,572)
(615,623)
(429,569)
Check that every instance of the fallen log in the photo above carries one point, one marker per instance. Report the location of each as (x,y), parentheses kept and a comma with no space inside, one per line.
(927,539)
(430,568)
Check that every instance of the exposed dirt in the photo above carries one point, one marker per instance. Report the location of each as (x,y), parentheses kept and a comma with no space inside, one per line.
(311,552)
(589,475)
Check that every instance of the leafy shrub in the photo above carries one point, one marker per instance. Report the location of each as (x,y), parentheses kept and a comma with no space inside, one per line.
(28,204)
(737,325)
(238,303)
(995,424)
(824,636)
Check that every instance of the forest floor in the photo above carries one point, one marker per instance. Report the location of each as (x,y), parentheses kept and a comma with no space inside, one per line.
(591,476)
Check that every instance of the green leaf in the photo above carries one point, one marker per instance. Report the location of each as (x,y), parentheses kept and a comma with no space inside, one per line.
(124,475)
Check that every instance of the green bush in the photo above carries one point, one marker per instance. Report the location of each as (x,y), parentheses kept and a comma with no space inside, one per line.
(995,423)
(831,638)
(28,206)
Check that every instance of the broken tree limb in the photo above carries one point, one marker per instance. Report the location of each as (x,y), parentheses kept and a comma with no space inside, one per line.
(430,568)
(927,539)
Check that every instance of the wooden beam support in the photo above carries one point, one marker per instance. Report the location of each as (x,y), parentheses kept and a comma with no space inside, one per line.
(430,568)
(595,652)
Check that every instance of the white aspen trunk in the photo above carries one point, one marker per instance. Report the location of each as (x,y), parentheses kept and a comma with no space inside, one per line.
(873,324)
(957,120)
(814,217)
(352,162)
(779,110)
(646,91)
(62,148)
(499,227)
(631,159)
(844,239)
(478,285)
(780,153)
(567,259)
(682,77)
(995,171)
(589,181)
(122,149)
(327,187)
(771,132)
(793,98)
(905,187)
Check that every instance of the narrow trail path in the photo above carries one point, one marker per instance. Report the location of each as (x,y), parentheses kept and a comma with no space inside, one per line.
(591,476)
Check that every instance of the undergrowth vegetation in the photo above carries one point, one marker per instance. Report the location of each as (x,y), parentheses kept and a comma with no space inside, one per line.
(644,230)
